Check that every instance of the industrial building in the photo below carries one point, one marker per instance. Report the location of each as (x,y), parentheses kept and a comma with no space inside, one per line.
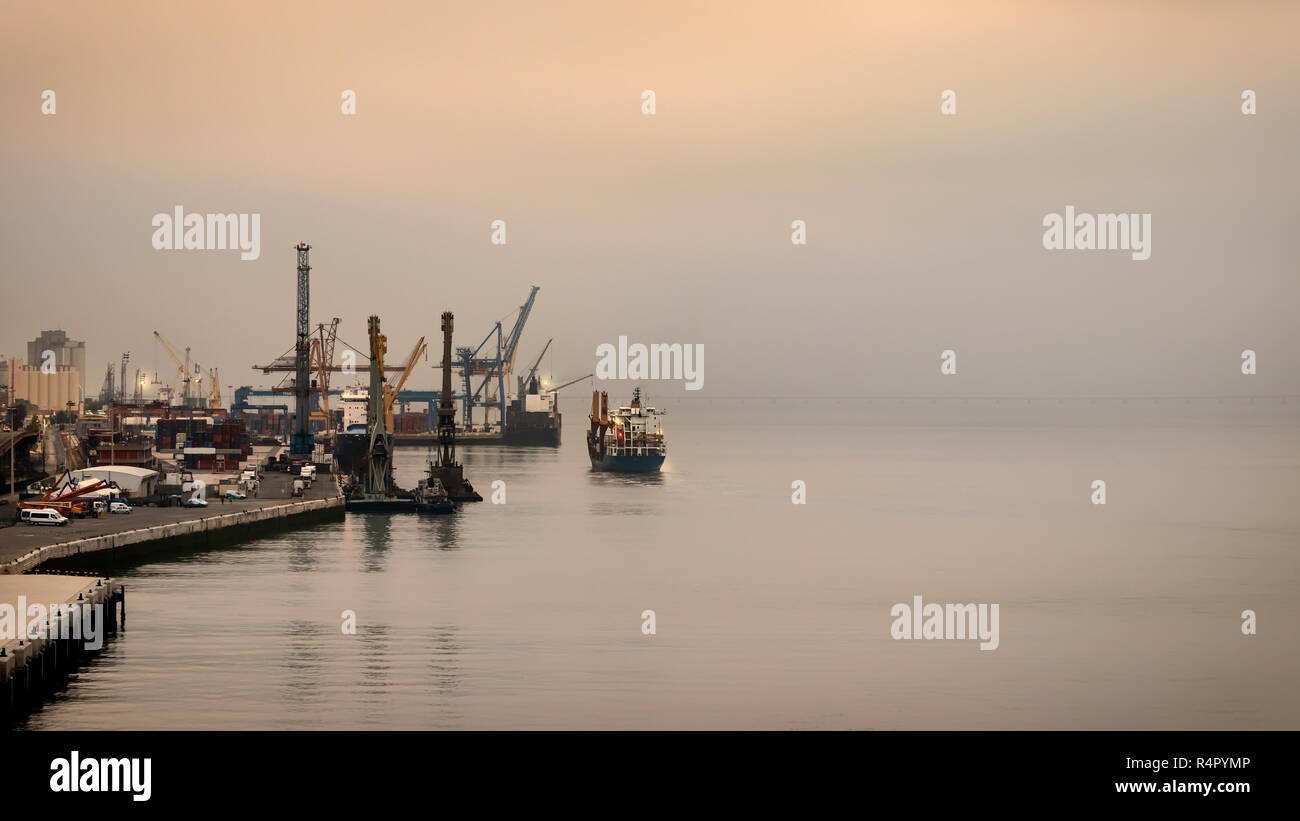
(46,391)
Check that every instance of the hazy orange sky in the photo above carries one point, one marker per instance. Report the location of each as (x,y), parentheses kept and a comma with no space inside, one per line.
(924,231)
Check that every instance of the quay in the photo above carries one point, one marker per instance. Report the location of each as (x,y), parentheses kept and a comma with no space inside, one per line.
(149,529)
(33,664)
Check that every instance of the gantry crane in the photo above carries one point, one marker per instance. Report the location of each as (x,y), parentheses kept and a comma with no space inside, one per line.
(493,369)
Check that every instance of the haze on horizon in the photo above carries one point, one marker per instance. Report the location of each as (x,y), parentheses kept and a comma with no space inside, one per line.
(924,231)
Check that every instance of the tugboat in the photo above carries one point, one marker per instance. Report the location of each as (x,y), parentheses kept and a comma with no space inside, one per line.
(629,441)
(431,497)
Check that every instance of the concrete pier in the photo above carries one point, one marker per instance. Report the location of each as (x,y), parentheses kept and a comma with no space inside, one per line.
(24,546)
(31,664)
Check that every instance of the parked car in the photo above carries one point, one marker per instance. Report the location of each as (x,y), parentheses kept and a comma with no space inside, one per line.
(44,517)
(117,506)
(235,494)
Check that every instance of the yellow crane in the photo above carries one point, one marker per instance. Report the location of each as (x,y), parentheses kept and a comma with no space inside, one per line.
(321,361)
(183,368)
(390,391)
(214,400)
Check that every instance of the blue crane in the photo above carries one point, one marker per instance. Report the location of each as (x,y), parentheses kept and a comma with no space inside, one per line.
(492,367)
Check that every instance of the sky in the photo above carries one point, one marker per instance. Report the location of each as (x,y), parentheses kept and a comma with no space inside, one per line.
(924,230)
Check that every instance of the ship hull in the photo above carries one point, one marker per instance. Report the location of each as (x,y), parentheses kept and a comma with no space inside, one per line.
(535,429)
(627,463)
(394,505)
(350,452)
(535,436)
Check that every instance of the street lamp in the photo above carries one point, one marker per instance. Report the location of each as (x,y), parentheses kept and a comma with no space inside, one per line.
(13,440)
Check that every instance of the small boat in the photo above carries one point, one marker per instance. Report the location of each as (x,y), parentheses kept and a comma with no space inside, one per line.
(431,497)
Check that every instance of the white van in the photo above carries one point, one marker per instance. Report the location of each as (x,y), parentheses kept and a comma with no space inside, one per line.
(43,517)
(118,507)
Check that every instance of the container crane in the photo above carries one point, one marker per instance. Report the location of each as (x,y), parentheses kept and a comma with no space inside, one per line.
(497,368)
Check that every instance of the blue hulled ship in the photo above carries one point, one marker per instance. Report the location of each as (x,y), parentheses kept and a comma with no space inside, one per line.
(630,440)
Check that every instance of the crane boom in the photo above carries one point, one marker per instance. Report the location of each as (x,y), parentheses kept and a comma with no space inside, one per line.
(566,384)
(512,341)
(536,364)
(182,367)
(390,391)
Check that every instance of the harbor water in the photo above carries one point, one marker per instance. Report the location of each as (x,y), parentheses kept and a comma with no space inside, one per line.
(767,614)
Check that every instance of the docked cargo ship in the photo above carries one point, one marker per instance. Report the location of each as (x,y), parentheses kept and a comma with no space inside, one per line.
(533,418)
(630,440)
(351,442)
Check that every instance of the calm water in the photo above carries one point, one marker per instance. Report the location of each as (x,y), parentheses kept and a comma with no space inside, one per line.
(769,615)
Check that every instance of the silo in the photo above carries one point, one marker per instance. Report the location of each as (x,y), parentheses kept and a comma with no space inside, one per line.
(64,393)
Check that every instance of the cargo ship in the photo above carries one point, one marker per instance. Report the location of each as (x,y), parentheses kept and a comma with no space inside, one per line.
(532,418)
(630,440)
(351,441)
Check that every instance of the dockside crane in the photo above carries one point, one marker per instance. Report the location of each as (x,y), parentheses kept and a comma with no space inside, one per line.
(322,364)
(526,383)
(390,391)
(214,399)
(182,368)
(559,388)
(493,369)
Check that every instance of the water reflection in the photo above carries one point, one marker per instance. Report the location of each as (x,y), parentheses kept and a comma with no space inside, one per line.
(372,691)
(376,534)
(302,554)
(445,528)
(444,659)
(603,478)
(303,666)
